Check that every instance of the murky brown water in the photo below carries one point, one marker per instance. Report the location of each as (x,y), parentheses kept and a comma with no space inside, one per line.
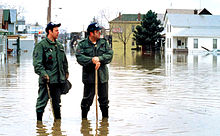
(151,94)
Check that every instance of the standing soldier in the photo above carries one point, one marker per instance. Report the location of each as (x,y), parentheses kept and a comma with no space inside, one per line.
(51,65)
(94,53)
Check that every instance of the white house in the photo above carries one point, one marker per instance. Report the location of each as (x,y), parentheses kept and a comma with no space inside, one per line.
(191,32)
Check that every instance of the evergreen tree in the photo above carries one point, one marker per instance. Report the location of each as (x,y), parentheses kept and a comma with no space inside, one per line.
(148,32)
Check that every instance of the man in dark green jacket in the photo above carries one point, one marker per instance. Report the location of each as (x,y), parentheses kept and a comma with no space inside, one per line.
(94,53)
(50,63)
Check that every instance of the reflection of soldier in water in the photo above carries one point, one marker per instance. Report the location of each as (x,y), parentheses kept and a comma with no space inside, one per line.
(86,129)
(103,129)
(56,129)
(41,129)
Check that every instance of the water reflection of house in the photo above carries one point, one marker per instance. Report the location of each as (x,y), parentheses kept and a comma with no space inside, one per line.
(3,43)
(189,30)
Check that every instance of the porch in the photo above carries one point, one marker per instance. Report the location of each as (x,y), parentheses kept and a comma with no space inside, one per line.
(180,44)
(180,50)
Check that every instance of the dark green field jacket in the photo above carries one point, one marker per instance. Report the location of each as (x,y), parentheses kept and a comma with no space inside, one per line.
(85,51)
(49,59)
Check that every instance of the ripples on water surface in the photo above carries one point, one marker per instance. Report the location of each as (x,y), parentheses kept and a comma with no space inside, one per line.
(152,94)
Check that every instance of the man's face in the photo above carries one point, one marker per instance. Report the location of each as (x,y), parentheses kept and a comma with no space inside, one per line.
(97,34)
(55,32)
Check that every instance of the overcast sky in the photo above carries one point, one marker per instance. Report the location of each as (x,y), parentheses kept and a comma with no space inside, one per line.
(75,15)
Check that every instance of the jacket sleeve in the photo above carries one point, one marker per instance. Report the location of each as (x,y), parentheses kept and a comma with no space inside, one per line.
(81,57)
(106,57)
(65,64)
(65,61)
(38,60)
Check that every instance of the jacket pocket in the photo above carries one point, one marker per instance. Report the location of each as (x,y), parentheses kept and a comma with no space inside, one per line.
(48,58)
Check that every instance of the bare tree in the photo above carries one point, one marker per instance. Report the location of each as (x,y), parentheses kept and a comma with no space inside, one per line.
(106,17)
(121,29)
(123,33)
(20,9)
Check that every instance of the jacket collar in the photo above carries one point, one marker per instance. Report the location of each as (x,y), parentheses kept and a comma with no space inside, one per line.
(97,42)
(51,42)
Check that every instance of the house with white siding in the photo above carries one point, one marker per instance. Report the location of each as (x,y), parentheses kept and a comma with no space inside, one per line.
(191,32)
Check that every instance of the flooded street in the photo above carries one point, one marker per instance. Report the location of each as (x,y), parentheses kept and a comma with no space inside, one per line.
(150,95)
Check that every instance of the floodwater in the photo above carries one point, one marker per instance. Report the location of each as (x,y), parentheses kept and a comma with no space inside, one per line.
(150,95)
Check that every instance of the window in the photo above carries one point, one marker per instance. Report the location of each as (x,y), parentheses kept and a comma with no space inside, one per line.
(132,28)
(195,43)
(168,40)
(170,28)
(133,42)
(167,28)
(214,43)
(186,43)
(178,42)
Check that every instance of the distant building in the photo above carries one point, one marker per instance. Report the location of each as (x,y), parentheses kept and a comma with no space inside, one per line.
(191,32)
(1,18)
(21,27)
(126,24)
(35,29)
(9,18)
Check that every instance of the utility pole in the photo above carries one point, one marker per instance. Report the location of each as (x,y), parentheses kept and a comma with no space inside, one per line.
(49,12)
(200,4)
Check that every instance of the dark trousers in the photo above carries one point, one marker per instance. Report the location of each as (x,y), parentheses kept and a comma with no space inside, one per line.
(55,93)
(89,93)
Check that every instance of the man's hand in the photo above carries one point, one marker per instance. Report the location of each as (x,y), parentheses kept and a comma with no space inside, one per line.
(95,60)
(97,65)
(67,75)
(46,78)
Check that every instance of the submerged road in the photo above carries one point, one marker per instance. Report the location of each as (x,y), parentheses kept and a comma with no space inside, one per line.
(151,94)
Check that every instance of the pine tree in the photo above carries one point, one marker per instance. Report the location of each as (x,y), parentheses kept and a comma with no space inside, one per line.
(148,32)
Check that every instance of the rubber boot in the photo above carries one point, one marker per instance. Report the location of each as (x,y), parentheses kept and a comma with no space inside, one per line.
(84,114)
(57,114)
(104,112)
(39,116)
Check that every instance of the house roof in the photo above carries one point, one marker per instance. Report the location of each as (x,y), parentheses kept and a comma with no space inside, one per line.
(6,14)
(195,25)
(13,15)
(187,11)
(10,15)
(128,17)
(193,32)
(134,17)
(204,12)
(180,11)
(189,20)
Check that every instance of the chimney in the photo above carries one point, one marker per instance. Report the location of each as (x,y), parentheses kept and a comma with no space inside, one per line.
(195,11)
(119,17)
(139,16)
